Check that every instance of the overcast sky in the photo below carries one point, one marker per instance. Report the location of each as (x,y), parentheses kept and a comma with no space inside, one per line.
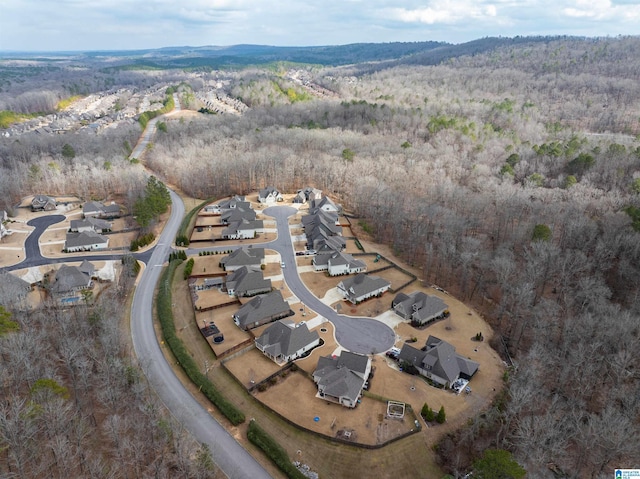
(132,24)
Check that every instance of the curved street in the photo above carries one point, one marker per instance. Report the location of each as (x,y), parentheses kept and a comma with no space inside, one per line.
(359,335)
(227,453)
(362,335)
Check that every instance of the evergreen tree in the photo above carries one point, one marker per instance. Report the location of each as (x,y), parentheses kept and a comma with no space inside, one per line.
(441,417)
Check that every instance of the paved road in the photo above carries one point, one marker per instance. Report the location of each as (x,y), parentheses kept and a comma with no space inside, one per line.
(150,130)
(230,456)
(34,256)
(360,335)
(227,453)
(356,334)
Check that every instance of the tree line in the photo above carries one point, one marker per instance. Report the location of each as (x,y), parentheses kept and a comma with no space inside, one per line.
(552,262)
(509,177)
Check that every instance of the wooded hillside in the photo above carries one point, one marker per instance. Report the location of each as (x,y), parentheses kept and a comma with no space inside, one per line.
(509,176)
(506,183)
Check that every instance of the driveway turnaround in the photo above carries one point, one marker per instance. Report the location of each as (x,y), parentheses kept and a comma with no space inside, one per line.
(359,335)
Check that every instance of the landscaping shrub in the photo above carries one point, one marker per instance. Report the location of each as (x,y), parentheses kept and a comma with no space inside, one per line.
(441,416)
(165,316)
(427,413)
(183,234)
(273,450)
(144,240)
(188,268)
(182,240)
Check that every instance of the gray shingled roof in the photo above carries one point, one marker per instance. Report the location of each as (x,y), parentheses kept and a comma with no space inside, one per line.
(242,225)
(347,259)
(422,305)
(86,238)
(261,309)
(70,278)
(95,223)
(12,287)
(330,243)
(269,190)
(237,214)
(342,383)
(236,201)
(361,285)
(87,268)
(243,257)
(41,201)
(441,358)
(280,339)
(315,205)
(342,376)
(91,207)
(243,281)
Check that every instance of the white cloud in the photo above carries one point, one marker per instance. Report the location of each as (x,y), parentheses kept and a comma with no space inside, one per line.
(602,10)
(106,24)
(446,11)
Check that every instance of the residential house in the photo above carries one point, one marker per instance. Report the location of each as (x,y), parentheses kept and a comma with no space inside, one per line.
(326,244)
(323,228)
(300,198)
(262,310)
(69,280)
(12,288)
(246,282)
(285,341)
(209,283)
(3,229)
(341,379)
(360,287)
(438,361)
(419,308)
(85,241)
(96,209)
(269,195)
(243,230)
(251,257)
(43,203)
(237,214)
(336,263)
(307,194)
(325,221)
(90,224)
(324,204)
(230,204)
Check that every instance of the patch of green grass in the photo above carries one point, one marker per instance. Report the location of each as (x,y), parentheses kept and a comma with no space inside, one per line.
(8,117)
(63,104)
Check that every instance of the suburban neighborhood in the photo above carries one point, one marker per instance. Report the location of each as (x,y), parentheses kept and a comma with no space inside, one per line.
(245,308)
(263,329)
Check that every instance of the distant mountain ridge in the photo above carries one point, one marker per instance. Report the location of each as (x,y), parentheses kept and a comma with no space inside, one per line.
(241,55)
(370,56)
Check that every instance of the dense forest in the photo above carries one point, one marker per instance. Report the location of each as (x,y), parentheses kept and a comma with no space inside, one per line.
(75,404)
(509,174)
